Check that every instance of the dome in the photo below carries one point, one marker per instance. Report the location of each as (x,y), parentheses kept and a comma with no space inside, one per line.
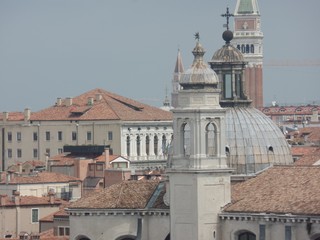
(253,141)
(199,72)
(227,53)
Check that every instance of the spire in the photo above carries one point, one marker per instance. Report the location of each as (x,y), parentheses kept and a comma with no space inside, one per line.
(179,66)
(247,7)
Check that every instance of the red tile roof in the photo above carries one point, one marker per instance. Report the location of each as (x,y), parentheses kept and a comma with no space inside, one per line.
(48,235)
(110,107)
(42,177)
(13,116)
(31,201)
(311,158)
(124,195)
(302,150)
(280,190)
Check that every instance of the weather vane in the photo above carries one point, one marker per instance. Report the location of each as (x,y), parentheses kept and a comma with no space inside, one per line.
(227,15)
(197,36)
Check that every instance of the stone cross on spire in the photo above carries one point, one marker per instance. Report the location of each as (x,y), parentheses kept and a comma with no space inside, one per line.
(227,15)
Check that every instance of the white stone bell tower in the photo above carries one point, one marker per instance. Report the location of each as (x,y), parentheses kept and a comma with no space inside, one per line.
(199,179)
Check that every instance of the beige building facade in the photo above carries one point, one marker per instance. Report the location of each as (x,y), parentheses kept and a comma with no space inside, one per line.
(131,129)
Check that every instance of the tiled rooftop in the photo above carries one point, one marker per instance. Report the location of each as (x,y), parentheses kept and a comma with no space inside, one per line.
(124,195)
(311,158)
(280,189)
(31,200)
(109,107)
(42,177)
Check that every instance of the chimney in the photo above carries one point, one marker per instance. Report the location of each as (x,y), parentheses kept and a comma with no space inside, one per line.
(5,116)
(3,199)
(19,167)
(107,158)
(34,236)
(68,101)
(27,114)
(90,101)
(59,101)
(51,196)
(98,97)
(16,197)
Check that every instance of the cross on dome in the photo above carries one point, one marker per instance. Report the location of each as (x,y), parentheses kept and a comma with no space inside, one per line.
(227,15)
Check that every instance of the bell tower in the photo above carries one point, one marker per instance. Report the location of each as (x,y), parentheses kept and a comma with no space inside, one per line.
(248,38)
(199,179)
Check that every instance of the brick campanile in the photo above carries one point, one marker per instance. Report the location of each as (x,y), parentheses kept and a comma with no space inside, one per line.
(248,38)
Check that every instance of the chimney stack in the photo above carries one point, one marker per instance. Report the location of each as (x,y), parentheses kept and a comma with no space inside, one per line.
(27,114)
(5,116)
(107,158)
(16,196)
(51,196)
(98,97)
(68,101)
(3,199)
(59,101)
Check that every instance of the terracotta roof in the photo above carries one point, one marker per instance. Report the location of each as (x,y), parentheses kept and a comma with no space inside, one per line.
(48,235)
(110,107)
(31,200)
(302,150)
(42,177)
(124,195)
(311,158)
(289,110)
(280,189)
(13,116)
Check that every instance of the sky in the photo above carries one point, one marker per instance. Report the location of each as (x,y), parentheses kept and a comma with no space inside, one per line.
(63,48)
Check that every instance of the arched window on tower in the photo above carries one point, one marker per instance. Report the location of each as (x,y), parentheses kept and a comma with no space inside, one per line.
(211,140)
(227,86)
(239,47)
(147,145)
(247,48)
(128,145)
(138,146)
(238,85)
(252,48)
(155,147)
(186,139)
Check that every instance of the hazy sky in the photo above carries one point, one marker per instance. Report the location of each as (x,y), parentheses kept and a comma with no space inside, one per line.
(63,48)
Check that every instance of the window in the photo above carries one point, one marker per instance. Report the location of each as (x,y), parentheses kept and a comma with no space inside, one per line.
(128,145)
(164,144)
(19,153)
(35,153)
(9,136)
(288,233)
(9,153)
(99,167)
(238,85)
(155,145)
(138,146)
(247,236)
(147,145)
(47,136)
(74,136)
(35,215)
(18,136)
(89,136)
(35,136)
(60,136)
(60,150)
(210,140)
(262,232)
(186,139)
(110,136)
(64,231)
(227,86)
(252,48)
(247,48)
(91,167)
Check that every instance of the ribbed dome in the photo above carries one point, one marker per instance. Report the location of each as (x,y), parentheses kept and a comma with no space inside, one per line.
(253,141)
(227,53)
(199,72)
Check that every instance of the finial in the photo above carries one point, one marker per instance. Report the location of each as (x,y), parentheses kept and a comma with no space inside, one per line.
(197,36)
(227,15)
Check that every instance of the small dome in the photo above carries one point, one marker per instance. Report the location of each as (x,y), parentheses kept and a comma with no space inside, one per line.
(199,72)
(227,53)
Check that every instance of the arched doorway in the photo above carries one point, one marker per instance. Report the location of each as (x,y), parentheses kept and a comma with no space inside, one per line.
(247,236)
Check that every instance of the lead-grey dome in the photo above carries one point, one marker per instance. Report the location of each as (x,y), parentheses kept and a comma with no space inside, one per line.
(199,72)
(253,141)
(227,53)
